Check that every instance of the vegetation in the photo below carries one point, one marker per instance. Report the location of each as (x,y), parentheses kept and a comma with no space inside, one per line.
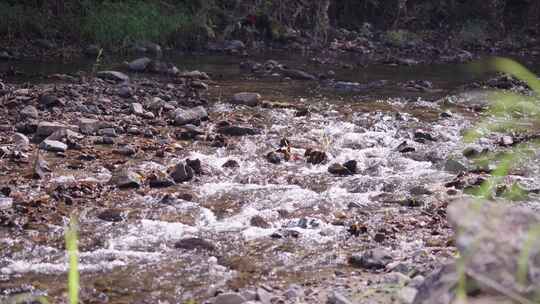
(184,23)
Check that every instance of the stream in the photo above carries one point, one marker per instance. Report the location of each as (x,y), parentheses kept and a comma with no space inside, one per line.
(246,222)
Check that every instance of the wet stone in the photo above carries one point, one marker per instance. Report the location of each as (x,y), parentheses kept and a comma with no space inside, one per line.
(126,179)
(189,132)
(337,298)
(231,164)
(196,165)
(191,116)
(315,157)
(454,166)
(139,65)
(182,173)
(47,100)
(111,215)
(371,259)
(109,132)
(105,140)
(45,129)
(136,108)
(273,157)
(422,137)
(339,169)
(237,131)
(259,221)
(246,99)
(29,112)
(113,75)
(53,146)
(21,140)
(195,244)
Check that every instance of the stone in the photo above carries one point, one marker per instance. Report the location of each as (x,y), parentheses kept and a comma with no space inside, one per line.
(194,244)
(45,129)
(259,221)
(199,85)
(273,157)
(113,75)
(297,74)
(89,126)
(188,132)
(264,296)
(422,137)
(139,65)
(92,51)
(53,146)
(21,140)
(136,108)
(48,100)
(246,99)
(406,295)
(126,178)
(339,169)
(191,116)
(231,163)
(108,132)
(229,298)
(111,215)
(351,165)
(234,45)
(182,173)
(371,259)
(29,112)
(196,165)
(315,157)
(337,298)
(453,166)
(125,91)
(237,131)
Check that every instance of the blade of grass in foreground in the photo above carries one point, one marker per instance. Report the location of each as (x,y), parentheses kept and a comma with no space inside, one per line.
(73,271)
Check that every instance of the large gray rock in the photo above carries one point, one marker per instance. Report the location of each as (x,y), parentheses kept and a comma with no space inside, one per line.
(53,146)
(182,173)
(191,116)
(297,74)
(136,108)
(126,178)
(113,75)
(139,65)
(492,239)
(337,298)
(45,128)
(246,99)
(229,298)
(89,126)
(29,112)
(371,259)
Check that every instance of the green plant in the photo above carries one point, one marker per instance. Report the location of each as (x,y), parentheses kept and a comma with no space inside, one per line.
(400,38)
(73,257)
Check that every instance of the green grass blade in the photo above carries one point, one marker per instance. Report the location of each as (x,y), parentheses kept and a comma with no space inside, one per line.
(73,256)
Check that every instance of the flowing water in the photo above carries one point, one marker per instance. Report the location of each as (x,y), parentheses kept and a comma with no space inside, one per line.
(280,224)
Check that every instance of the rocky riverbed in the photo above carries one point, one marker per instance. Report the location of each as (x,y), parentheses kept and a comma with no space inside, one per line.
(270,182)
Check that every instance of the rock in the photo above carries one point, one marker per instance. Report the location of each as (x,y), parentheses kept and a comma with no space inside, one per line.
(406,295)
(194,75)
(264,296)
(297,74)
(92,51)
(237,131)
(29,112)
(273,157)
(125,151)
(5,203)
(65,134)
(108,132)
(192,116)
(453,166)
(113,75)
(126,178)
(53,146)
(182,173)
(351,165)
(371,259)
(339,169)
(355,87)
(40,167)
(315,157)
(405,148)
(89,126)
(188,132)
(104,141)
(45,44)
(160,181)
(422,137)
(111,215)
(337,298)
(125,91)
(231,163)
(195,244)
(136,108)
(471,152)
(195,164)
(506,141)
(45,129)
(139,65)
(246,99)
(21,140)
(48,100)
(199,85)
(259,221)
(234,45)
